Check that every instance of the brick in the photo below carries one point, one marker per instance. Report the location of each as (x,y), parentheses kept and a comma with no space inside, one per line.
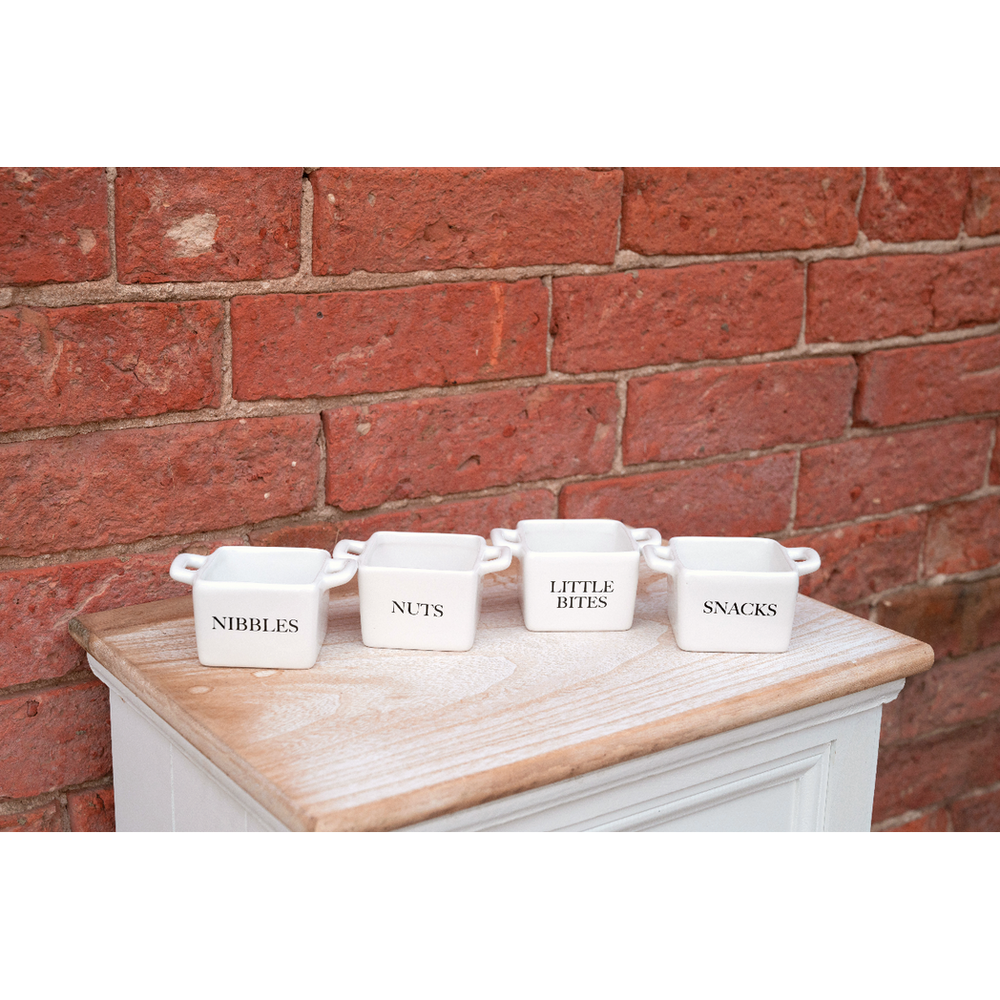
(416,220)
(70,366)
(470,517)
(290,346)
(711,411)
(995,462)
(35,643)
(982,211)
(966,289)
(909,384)
(952,692)
(963,537)
(860,560)
(860,609)
(925,772)
(935,821)
(47,818)
(901,204)
(654,317)
(120,486)
(415,448)
(92,810)
(54,737)
(207,224)
(977,813)
(735,498)
(53,225)
(872,298)
(876,475)
(725,210)
(954,618)
(891,722)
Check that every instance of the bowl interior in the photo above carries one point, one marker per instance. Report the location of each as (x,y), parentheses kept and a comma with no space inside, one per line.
(423,550)
(575,536)
(261,564)
(730,555)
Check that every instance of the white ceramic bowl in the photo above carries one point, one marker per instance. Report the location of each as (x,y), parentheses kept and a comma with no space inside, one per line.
(577,575)
(731,595)
(421,590)
(261,607)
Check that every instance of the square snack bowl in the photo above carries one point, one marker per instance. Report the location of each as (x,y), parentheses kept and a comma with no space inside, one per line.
(577,575)
(421,590)
(261,607)
(731,595)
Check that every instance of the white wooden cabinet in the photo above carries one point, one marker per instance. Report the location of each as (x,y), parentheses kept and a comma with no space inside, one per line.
(526,731)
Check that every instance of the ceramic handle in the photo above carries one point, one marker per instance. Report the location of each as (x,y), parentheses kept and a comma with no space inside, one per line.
(348,548)
(806,560)
(658,557)
(338,571)
(179,570)
(645,536)
(495,558)
(508,537)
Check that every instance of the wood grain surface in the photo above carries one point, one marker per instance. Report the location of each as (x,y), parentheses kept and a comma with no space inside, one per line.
(376,739)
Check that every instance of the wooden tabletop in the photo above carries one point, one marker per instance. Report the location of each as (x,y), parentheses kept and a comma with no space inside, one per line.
(375,739)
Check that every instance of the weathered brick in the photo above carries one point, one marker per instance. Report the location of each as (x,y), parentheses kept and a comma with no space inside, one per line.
(624,320)
(289,346)
(982,211)
(734,498)
(35,643)
(861,609)
(47,818)
(725,210)
(120,486)
(711,411)
(54,737)
(954,618)
(92,810)
(863,559)
(966,289)
(872,298)
(429,219)
(414,448)
(924,772)
(471,517)
(935,821)
(962,537)
(909,384)
(953,691)
(891,722)
(977,813)
(70,366)
(207,224)
(876,475)
(53,225)
(995,462)
(901,204)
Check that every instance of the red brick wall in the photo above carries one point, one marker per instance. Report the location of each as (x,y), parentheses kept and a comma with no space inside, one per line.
(199,357)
